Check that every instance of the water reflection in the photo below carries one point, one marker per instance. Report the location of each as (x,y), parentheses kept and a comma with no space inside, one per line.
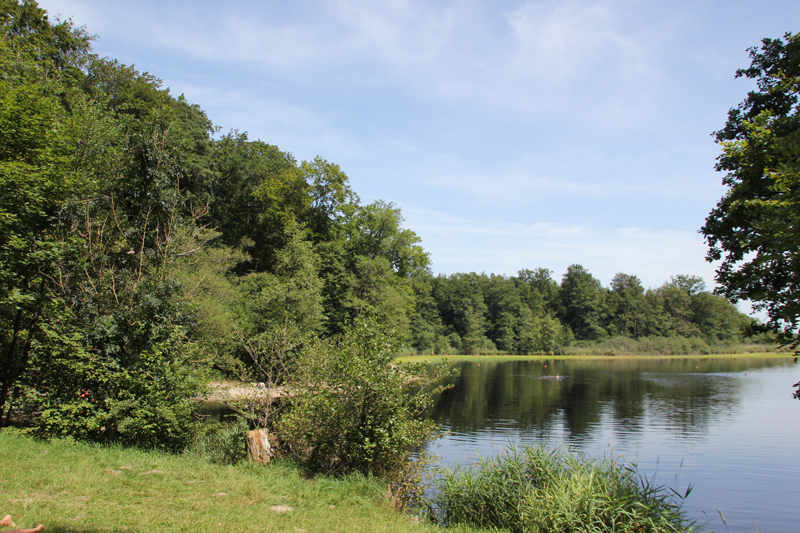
(684,394)
(727,425)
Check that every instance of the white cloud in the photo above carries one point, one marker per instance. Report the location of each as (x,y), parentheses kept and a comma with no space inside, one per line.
(575,174)
(543,57)
(563,39)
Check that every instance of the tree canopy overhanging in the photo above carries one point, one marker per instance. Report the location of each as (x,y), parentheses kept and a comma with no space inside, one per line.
(754,228)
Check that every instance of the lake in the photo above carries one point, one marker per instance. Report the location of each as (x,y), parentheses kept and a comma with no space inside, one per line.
(726,426)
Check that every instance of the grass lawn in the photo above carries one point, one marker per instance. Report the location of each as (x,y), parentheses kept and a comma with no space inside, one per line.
(75,487)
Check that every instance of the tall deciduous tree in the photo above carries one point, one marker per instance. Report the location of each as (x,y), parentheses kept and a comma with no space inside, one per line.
(753,230)
(256,192)
(581,298)
(40,63)
(538,289)
(627,305)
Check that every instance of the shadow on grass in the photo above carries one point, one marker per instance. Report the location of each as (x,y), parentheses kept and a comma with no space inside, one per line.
(60,528)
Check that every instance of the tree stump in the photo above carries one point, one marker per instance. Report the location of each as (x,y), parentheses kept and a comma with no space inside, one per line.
(258,446)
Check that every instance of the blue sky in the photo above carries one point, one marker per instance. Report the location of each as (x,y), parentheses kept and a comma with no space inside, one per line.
(511,134)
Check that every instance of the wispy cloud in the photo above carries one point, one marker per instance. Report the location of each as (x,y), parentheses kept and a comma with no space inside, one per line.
(568,173)
(540,57)
(291,127)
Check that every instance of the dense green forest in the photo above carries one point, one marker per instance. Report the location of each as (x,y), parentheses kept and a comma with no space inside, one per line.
(142,250)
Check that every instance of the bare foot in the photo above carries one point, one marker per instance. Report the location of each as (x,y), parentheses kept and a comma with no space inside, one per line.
(37,529)
(6,521)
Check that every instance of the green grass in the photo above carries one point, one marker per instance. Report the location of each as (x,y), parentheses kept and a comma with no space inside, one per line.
(69,487)
(536,490)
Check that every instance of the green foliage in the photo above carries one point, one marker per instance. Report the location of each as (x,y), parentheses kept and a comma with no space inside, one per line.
(538,289)
(331,197)
(223,443)
(370,266)
(40,63)
(540,490)
(355,411)
(753,228)
(582,298)
(123,90)
(41,51)
(533,314)
(442,345)
(650,346)
(92,315)
(474,326)
(213,296)
(543,334)
(273,357)
(462,309)
(504,310)
(375,290)
(255,192)
(454,340)
(292,292)
(33,165)
(147,403)
(627,305)
(375,231)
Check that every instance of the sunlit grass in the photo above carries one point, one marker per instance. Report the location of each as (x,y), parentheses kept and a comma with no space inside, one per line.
(70,486)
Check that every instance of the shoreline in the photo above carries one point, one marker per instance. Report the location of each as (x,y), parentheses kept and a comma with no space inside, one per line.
(466,358)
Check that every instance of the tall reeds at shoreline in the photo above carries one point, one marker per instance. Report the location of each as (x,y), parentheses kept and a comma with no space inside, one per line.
(664,346)
(536,489)
(655,346)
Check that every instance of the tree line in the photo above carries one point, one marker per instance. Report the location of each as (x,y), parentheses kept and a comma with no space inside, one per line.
(532,313)
(142,249)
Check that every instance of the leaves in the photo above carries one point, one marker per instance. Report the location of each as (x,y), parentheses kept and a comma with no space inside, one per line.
(753,229)
(355,410)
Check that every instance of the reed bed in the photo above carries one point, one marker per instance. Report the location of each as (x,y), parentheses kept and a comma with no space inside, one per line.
(664,346)
(536,489)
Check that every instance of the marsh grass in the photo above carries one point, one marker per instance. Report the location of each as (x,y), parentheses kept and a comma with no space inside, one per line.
(433,359)
(664,346)
(534,489)
(627,347)
(71,486)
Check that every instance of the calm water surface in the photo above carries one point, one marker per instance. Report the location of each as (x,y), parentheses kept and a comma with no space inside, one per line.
(729,427)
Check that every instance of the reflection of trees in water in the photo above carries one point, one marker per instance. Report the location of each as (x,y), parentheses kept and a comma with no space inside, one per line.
(683,394)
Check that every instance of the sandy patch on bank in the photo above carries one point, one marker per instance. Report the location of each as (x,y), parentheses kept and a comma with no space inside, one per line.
(227,391)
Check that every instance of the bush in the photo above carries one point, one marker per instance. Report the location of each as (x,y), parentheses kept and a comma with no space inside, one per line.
(354,410)
(149,403)
(442,346)
(536,490)
(221,442)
